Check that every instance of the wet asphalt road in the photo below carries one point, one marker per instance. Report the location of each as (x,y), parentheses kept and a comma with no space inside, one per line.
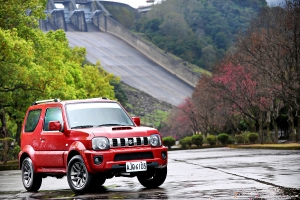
(219,173)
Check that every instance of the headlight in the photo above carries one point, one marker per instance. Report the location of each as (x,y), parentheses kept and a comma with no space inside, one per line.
(100,143)
(155,140)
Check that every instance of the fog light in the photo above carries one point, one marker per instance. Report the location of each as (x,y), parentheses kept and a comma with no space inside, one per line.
(164,155)
(98,160)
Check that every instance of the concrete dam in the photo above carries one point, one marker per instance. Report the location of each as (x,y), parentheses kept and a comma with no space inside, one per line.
(141,65)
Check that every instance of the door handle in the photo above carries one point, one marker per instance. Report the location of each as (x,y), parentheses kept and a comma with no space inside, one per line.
(42,139)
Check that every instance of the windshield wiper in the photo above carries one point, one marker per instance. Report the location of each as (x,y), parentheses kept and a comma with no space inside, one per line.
(111,125)
(83,126)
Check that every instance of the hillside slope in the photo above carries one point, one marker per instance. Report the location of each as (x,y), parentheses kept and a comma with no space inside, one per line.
(198,31)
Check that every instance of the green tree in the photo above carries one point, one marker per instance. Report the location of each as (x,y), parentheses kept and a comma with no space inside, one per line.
(22,15)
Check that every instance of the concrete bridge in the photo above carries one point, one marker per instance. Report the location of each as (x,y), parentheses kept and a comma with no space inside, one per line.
(87,22)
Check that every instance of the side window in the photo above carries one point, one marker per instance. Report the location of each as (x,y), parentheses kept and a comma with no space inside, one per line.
(32,120)
(52,114)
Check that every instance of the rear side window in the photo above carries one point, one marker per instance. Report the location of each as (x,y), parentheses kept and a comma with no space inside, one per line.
(32,120)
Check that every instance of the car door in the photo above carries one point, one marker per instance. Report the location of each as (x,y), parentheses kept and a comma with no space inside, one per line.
(52,144)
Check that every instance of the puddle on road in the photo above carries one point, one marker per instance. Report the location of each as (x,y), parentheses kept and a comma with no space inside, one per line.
(101,193)
(160,193)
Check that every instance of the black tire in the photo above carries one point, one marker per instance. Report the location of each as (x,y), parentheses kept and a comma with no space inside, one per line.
(31,180)
(97,182)
(79,179)
(153,178)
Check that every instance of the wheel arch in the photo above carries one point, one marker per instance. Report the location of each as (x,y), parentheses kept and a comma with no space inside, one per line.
(78,148)
(27,151)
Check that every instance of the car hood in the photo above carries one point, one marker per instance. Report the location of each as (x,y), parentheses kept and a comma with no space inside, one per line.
(122,131)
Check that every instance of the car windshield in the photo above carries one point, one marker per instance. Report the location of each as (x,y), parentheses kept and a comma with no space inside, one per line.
(87,115)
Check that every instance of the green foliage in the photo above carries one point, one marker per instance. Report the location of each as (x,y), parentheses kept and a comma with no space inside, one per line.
(119,91)
(15,14)
(223,138)
(186,142)
(197,139)
(239,139)
(252,137)
(168,141)
(37,65)
(122,13)
(155,118)
(231,140)
(5,148)
(197,31)
(14,153)
(211,140)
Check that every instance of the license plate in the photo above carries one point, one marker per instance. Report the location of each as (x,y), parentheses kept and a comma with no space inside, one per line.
(136,166)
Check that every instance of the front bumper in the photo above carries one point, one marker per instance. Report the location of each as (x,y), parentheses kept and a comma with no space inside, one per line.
(115,159)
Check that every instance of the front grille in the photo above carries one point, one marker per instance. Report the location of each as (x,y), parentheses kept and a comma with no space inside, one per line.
(133,156)
(129,142)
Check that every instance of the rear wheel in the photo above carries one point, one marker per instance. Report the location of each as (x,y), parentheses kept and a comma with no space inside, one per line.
(79,178)
(31,180)
(153,178)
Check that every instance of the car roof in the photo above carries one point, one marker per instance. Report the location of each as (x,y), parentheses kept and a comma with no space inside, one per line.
(56,101)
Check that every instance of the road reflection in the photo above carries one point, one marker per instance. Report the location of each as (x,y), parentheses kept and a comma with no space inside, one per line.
(101,193)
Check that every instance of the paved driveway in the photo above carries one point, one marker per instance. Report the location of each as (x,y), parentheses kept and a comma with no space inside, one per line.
(219,173)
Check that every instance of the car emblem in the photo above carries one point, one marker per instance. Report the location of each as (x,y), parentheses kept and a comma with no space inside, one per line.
(130,142)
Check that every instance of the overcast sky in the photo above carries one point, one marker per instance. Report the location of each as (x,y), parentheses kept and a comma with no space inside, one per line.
(137,3)
(132,3)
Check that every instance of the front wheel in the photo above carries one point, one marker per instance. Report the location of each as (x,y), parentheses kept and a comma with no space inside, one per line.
(153,178)
(78,177)
(31,180)
(97,181)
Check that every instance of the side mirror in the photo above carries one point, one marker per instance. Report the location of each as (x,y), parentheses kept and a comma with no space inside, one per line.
(54,126)
(136,120)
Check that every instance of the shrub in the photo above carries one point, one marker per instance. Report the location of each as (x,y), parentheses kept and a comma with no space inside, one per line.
(197,139)
(239,139)
(245,137)
(189,140)
(15,152)
(211,140)
(252,137)
(5,149)
(185,142)
(223,138)
(230,140)
(168,141)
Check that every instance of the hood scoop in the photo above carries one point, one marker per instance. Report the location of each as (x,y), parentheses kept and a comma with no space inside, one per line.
(122,128)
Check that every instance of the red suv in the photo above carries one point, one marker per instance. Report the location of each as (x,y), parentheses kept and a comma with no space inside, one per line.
(89,141)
